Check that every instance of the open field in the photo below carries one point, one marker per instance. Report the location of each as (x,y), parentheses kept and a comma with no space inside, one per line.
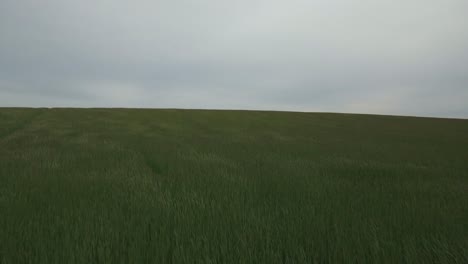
(193,186)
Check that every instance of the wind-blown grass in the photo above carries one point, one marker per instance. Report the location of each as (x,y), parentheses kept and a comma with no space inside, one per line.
(193,186)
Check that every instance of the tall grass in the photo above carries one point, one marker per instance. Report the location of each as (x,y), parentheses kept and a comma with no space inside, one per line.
(180,186)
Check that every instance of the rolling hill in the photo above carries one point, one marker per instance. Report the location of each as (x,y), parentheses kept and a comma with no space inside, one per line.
(205,186)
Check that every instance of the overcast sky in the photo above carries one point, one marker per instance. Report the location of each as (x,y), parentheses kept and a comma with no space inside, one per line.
(404,57)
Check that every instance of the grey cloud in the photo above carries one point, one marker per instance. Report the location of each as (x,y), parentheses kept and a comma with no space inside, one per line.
(387,57)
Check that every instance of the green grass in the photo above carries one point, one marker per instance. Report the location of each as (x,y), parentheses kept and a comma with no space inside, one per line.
(193,186)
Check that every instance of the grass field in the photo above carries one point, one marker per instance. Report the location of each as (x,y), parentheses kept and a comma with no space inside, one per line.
(193,186)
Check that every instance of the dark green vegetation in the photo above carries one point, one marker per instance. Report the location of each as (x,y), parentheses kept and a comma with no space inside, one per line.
(175,186)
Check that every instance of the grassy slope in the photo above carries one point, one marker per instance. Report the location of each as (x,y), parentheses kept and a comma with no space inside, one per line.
(175,186)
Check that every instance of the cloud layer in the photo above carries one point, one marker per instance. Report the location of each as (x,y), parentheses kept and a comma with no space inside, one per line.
(407,57)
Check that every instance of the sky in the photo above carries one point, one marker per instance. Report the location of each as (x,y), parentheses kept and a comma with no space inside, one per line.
(399,57)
